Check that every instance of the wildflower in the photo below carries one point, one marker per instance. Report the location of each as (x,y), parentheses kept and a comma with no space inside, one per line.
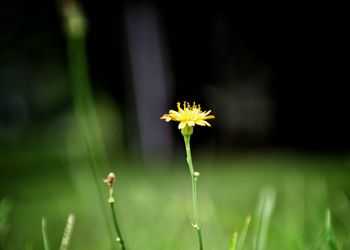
(188,116)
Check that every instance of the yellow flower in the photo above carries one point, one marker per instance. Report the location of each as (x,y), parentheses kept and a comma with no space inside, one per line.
(188,115)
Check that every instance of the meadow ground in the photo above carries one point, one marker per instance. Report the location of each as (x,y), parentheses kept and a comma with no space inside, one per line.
(154,203)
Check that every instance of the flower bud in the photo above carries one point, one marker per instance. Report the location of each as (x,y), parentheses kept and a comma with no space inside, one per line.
(110,179)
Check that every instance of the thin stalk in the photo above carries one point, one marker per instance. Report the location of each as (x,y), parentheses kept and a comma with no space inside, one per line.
(194,178)
(84,106)
(117,229)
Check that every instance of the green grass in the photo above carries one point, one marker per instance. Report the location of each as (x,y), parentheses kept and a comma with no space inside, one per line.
(154,204)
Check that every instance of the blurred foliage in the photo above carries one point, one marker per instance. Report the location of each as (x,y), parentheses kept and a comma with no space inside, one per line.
(5,209)
(154,205)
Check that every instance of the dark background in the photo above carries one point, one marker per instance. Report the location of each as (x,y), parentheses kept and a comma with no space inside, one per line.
(288,55)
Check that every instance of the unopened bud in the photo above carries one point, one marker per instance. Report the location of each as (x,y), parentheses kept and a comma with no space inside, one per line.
(75,21)
(196,174)
(110,179)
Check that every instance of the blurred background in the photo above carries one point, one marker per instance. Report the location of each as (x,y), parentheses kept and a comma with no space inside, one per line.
(82,88)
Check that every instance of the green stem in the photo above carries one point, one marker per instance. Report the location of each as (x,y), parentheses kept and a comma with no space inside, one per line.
(194,190)
(117,229)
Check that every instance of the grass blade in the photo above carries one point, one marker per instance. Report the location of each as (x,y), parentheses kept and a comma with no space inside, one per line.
(264,212)
(330,232)
(68,231)
(44,232)
(243,235)
(234,241)
(327,239)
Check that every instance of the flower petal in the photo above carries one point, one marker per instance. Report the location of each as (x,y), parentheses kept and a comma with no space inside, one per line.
(203,123)
(191,123)
(208,117)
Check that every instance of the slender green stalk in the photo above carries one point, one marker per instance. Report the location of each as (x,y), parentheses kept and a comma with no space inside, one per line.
(82,96)
(110,182)
(44,232)
(194,177)
(117,229)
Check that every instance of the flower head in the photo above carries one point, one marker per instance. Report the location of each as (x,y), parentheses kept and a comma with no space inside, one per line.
(188,115)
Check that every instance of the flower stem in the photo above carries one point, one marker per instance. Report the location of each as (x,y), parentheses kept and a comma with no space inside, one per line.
(117,229)
(194,177)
